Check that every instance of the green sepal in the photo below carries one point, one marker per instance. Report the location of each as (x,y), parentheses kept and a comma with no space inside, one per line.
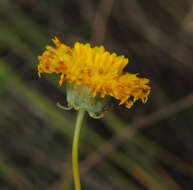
(63,107)
(81,97)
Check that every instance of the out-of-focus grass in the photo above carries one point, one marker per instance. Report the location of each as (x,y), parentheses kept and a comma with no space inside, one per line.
(36,135)
(22,25)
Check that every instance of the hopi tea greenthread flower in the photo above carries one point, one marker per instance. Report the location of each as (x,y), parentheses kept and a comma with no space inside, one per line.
(92,76)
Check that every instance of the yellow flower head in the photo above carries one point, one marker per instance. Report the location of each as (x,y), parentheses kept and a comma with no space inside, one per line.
(96,68)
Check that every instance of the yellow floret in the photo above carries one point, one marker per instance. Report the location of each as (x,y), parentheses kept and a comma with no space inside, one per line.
(101,71)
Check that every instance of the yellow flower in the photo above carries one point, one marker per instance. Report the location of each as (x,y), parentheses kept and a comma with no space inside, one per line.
(95,68)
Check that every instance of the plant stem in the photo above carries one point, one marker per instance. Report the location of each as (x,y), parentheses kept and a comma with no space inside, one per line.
(79,122)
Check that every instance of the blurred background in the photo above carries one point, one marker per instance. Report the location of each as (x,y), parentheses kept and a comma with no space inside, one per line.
(149,147)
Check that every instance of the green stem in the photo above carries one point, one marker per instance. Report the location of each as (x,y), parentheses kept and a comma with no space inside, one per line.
(78,126)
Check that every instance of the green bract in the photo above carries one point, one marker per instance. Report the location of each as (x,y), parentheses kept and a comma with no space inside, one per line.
(80,97)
